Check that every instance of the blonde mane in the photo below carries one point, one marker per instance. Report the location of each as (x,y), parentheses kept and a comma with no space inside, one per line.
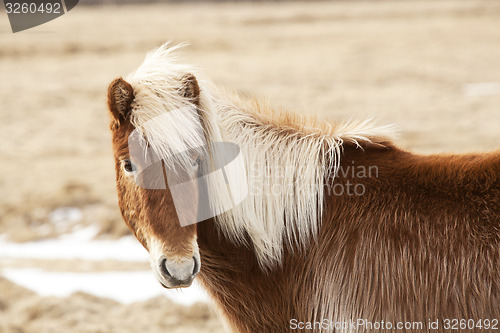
(287,158)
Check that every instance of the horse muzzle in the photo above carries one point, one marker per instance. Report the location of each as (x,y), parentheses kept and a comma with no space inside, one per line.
(177,272)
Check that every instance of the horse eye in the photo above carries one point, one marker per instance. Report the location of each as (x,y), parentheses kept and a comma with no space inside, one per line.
(127,165)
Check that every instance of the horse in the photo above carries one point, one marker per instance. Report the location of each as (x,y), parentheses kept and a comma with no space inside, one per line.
(339,230)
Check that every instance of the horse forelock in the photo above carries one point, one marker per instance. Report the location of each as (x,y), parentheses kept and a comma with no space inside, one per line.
(288,158)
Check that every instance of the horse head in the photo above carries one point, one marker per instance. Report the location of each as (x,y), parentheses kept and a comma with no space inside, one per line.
(145,199)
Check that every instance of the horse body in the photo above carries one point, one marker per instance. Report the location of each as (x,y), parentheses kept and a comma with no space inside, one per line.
(421,244)
(381,235)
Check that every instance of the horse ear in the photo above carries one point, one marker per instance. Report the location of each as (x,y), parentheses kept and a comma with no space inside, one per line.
(120,96)
(190,88)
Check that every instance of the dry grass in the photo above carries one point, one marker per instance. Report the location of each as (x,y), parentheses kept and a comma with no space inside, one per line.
(21,311)
(401,62)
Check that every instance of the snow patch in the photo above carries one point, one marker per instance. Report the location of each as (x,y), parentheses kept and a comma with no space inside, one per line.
(64,216)
(482,89)
(124,287)
(77,245)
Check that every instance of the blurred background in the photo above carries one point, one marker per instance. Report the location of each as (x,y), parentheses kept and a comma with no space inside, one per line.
(68,262)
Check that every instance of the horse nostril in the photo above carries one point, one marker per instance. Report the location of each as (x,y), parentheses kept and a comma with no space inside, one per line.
(196,267)
(163,267)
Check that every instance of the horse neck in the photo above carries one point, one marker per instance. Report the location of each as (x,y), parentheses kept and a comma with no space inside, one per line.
(249,299)
(255,300)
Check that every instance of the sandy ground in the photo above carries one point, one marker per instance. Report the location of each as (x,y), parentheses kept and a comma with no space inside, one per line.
(414,64)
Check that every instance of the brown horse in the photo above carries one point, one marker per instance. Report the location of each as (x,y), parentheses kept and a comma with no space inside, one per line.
(339,229)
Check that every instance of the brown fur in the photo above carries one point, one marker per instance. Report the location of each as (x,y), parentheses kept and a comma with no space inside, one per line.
(422,243)
(120,96)
(148,211)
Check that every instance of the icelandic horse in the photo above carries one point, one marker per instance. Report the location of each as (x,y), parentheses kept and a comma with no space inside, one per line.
(339,231)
